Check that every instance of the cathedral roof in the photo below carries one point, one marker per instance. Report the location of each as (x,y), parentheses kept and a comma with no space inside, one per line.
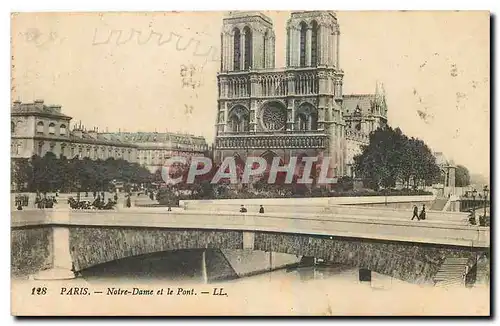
(361,103)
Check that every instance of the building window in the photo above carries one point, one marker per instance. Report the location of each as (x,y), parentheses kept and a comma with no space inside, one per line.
(303,32)
(314,121)
(248,48)
(314,44)
(12,127)
(302,122)
(52,128)
(237,50)
(39,127)
(62,130)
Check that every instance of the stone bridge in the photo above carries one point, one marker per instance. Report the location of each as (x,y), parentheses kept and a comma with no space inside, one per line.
(60,242)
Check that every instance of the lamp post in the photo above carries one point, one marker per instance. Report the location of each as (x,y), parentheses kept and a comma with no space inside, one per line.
(474,193)
(485,193)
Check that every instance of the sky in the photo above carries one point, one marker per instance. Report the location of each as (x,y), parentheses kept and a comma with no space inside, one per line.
(434,67)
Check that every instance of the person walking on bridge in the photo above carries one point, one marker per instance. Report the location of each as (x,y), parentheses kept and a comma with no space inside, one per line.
(415,213)
(261,210)
(422,212)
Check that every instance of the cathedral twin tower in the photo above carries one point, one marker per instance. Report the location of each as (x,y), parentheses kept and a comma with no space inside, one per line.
(248,41)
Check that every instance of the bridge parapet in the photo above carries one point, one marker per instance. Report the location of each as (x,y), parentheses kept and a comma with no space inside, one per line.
(324,209)
(436,232)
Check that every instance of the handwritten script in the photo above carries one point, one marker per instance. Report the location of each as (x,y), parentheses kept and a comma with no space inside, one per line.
(182,43)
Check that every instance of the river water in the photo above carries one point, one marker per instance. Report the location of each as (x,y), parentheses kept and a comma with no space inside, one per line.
(312,290)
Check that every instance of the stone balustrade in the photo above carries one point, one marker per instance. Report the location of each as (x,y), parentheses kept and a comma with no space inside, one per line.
(267,141)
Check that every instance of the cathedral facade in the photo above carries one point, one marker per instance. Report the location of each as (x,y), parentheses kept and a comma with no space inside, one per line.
(295,111)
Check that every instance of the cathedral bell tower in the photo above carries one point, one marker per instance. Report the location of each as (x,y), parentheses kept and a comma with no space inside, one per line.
(248,42)
(312,39)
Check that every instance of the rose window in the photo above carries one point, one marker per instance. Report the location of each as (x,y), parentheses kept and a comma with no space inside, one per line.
(274,118)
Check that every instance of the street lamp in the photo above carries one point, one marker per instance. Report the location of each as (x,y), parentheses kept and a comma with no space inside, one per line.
(474,193)
(485,192)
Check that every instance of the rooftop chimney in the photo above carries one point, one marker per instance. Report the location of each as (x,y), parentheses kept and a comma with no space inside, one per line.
(17,104)
(93,133)
(39,104)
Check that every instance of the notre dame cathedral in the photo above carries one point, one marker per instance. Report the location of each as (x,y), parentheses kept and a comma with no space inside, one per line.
(298,110)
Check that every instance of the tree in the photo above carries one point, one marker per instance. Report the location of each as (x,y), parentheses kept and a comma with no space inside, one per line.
(462,176)
(391,156)
(21,173)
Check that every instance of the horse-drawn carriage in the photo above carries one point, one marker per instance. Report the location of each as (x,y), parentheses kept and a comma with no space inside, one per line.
(86,204)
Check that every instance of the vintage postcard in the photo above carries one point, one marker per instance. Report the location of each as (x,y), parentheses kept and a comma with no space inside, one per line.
(301,163)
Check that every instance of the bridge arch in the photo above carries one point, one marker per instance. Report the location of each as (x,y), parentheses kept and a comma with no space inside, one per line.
(409,262)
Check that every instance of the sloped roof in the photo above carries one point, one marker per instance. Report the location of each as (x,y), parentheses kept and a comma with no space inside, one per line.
(352,102)
(38,108)
(157,137)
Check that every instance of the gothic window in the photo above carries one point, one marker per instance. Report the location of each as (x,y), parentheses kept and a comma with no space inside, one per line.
(302,122)
(52,128)
(39,127)
(12,127)
(235,124)
(248,47)
(314,121)
(358,126)
(314,44)
(239,119)
(303,32)
(266,35)
(237,50)
(274,118)
(62,130)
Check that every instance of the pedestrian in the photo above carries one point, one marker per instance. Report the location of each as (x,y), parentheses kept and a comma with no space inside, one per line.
(261,210)
(128,202)
(415,213)
(422,212)
(243,209)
